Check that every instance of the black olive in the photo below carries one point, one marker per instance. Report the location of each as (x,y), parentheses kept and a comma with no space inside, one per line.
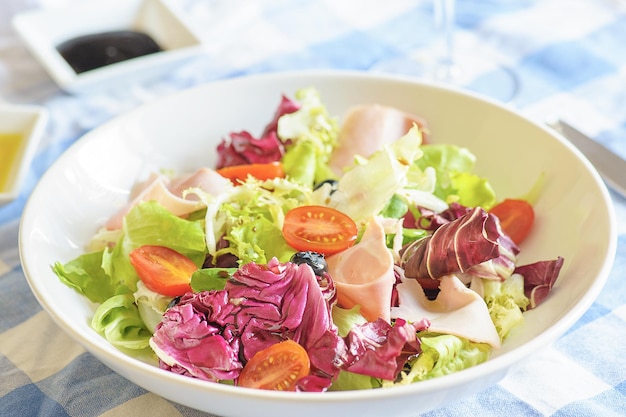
(315,260)
(174,301)
(333,185)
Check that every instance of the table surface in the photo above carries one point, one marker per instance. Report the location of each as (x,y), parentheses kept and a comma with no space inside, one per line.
(569,58)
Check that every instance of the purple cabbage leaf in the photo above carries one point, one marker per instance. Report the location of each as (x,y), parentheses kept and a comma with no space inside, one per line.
(212,334)
(472,244)
(197,337)
(241,148)
(539,278)
(380,350)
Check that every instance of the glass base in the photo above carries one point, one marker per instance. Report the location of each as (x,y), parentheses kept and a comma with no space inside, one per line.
(494,81)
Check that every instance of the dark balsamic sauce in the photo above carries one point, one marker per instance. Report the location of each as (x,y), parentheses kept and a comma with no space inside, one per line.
(88,52)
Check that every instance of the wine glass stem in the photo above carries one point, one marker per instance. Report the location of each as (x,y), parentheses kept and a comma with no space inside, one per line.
(444,22)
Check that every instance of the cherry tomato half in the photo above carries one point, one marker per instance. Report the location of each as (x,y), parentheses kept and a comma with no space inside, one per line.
(319,229)
(516,218)
(239,173)
(163,270)
(277,367)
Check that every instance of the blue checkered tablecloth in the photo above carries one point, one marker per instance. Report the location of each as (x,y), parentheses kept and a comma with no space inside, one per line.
(570,60)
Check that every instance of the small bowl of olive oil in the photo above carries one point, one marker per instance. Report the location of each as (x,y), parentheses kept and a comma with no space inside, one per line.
(21,129)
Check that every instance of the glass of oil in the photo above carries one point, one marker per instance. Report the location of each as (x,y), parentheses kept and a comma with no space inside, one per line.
(21,128)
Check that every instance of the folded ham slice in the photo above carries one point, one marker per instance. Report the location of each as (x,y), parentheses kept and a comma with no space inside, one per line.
(366,129)
(169,192)
(363,274)
(457,310)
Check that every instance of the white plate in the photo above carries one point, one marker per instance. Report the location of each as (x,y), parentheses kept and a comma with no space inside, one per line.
(29,122)
(92,179)
(44,29)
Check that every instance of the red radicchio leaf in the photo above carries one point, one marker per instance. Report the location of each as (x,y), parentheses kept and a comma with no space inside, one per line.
(243,148)
(473,243)
(395,298)
(286,106)
(284,301)
(212,334)
(198,334)
(312,383)
(539,277)
(280,294)
(379,349)
(430,220)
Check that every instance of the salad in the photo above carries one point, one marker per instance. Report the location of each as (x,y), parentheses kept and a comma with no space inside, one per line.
(317,256)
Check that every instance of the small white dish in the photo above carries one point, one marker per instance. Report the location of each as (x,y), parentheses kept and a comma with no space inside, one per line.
(21,129)
(44,29)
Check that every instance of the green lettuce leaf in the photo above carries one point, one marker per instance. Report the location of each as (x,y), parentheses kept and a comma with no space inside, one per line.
(85,275)
(346,381)
(102,274)
(396,207)
(118,320)
(108,278)
(310,135)
(149,223)
(300,163)
(345,319)
(251,219)
(442,355)
(366,188)
(207,279)
(258,240)
(472,190)
(456,181)
(151,305)
(505,302)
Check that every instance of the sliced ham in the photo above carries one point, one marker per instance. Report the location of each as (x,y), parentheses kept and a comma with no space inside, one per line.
(457,310)
(366,129)
(363,274)
(204,178)
(169,192)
